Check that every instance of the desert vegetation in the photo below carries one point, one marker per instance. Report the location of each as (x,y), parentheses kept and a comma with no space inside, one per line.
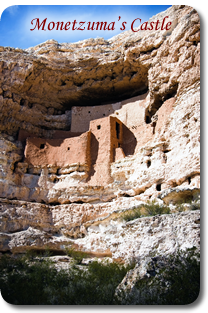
(152,208)
(32,280)
(172,280)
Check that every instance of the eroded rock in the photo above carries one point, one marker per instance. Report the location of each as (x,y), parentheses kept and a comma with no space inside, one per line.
(97,126)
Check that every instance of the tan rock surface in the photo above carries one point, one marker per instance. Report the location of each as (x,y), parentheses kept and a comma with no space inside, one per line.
(54,94)
(143,237)
(94,229)
(47,80)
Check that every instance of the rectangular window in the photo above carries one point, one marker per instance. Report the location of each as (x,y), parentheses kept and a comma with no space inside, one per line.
(117,130)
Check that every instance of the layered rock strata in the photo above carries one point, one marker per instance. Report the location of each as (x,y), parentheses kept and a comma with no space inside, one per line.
(29,226)
(59,149)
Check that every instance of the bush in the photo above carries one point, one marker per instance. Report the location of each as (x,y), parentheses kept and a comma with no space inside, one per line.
(146,209)
(183,277)
(174,280)
(32,281)
(184,205)
(22,280)
(132,214)
(76,255)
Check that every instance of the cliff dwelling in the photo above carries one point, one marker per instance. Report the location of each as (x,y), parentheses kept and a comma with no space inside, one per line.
(94,150)
(99,136)
(93,130)
(118,118)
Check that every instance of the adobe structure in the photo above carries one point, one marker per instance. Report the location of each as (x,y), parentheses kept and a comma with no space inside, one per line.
(99,136)
(94,150)
(94,128)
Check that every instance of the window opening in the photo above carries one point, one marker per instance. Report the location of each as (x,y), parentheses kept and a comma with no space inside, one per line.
(117,130)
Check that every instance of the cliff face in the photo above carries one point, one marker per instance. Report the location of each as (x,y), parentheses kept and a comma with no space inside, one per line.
(96,126)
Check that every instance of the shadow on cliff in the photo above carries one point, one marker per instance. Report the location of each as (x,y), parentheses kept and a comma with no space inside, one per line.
(94,154)
(129,141)
(129,145)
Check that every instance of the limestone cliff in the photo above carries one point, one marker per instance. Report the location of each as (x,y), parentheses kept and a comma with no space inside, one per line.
(97,126)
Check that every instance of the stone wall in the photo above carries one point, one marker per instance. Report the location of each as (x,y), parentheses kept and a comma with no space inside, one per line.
(95,150)
(58,152)
(81,116)
(107,136)
(149,83)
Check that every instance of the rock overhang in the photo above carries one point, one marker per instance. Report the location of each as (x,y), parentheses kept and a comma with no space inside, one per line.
(44,87)
(129,61)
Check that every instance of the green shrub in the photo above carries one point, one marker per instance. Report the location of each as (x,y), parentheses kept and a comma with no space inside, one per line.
(153,208)
(146,209)
(32,281)
(76,255)
(132,214)
(176,282)
(183,277)
(181,205)
(23,279)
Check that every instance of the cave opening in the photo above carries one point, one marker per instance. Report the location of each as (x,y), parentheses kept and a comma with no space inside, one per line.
(126,195)
(22,101)
(147,119)
(148,163)
(153,127)
(189,180)
(158,187)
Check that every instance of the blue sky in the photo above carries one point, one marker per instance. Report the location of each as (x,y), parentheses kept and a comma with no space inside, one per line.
(15,23)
